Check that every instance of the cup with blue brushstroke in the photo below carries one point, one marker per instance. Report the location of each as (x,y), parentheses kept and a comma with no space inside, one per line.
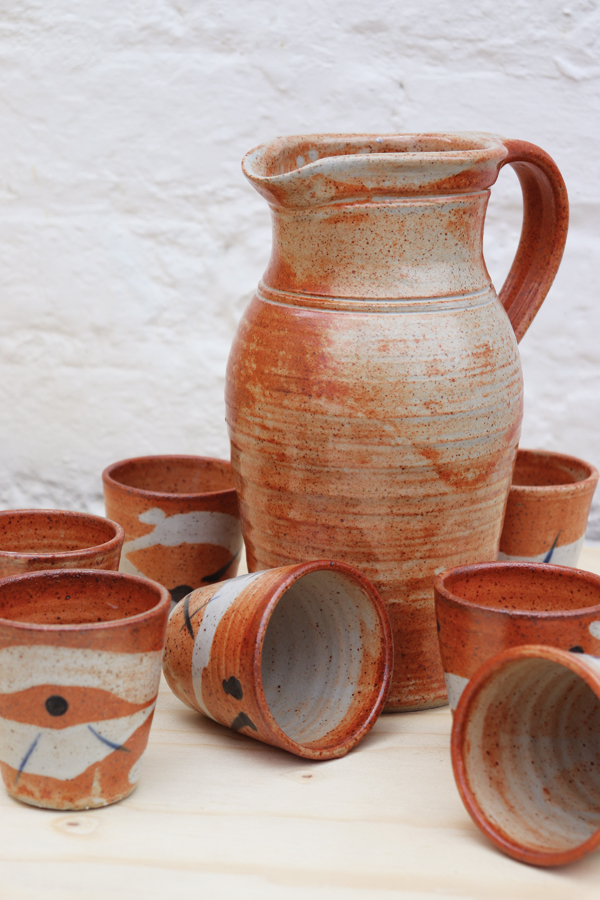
(485,608)
(80,662)
(299,657)
(181,519)
(548,508)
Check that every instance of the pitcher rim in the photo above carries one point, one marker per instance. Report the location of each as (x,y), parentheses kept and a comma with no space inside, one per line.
(469,146)
(302,171)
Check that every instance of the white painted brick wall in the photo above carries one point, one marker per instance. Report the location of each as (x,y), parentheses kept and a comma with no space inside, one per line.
(130,242)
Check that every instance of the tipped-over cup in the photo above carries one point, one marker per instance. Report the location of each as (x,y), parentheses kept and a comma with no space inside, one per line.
(299,657)
(525,742)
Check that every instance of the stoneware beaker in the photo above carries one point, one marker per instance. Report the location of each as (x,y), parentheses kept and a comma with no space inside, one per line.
(525,744)
(548,507)
(80,654)
(483,609)
(34,539)
(181,519)
(374,391)
(299,657)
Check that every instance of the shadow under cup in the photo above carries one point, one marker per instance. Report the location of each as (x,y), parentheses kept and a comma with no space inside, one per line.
(80,665)
(485,608)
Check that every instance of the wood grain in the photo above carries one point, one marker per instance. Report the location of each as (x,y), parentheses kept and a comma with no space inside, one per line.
(217,815)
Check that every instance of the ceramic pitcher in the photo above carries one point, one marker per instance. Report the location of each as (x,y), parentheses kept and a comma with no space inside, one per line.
(374,388)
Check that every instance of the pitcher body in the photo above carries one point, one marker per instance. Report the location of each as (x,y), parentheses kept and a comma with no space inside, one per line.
(374,388)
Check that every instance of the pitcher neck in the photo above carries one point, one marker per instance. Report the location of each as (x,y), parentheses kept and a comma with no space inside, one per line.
(418,247)
(377,216)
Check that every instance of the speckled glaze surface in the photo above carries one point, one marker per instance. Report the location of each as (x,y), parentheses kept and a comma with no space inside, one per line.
(484,609)
(181,519)
(525,744)
(35,539)
(374,390)
(548,508)
(80,655)
(299,657)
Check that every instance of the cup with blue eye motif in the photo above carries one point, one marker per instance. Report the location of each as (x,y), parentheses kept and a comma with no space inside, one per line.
(80,660)
(547,509)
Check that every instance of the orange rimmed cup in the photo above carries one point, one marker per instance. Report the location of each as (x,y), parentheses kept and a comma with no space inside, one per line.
(525,741)
(181,519)
(488,607)
(36,539)
(299,657)
(80,657)
(547,509)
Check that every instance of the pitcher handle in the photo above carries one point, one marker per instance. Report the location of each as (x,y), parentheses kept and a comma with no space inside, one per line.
(543,235)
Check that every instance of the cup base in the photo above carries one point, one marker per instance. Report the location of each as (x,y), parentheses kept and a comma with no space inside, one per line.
(417,707)
(70,805)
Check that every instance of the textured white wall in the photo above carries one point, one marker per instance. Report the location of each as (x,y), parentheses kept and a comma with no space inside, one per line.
(130,242)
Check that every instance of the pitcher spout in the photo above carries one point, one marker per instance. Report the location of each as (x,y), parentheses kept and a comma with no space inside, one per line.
(314,170)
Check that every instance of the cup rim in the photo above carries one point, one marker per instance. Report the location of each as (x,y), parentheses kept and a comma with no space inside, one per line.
(114,543)
(573,487)
(109,479)
(459,725)
(557,571)
(163,600)
(287,580)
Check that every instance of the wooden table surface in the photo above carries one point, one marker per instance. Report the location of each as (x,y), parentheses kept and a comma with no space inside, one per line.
(219,815)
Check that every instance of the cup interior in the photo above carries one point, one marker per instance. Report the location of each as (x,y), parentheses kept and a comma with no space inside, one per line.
(530,755)
(174,474)
(537,469)
(35,532)
(525,588)
(63,597)
(322,657)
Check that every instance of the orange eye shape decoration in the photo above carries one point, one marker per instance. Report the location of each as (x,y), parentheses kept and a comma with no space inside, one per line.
(77,698)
